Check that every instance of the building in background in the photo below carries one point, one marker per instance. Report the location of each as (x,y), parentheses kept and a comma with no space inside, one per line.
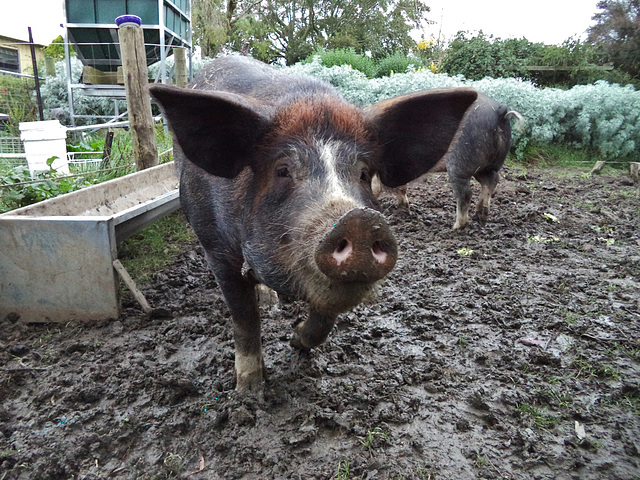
(15,55)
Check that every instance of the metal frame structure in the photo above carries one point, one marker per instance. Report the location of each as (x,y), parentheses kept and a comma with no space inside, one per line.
(117,92)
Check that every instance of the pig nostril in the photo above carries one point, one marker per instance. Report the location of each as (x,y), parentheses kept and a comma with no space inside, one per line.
(379,251)
(342,251)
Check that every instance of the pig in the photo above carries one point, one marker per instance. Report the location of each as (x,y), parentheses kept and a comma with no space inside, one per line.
(275,179)
(479,150)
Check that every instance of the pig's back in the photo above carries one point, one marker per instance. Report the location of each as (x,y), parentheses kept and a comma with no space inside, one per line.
(247,76)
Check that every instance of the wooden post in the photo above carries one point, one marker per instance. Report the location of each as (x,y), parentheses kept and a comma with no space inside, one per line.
(136,82)
(180,66)
(106,153)
(597,168)
(131,285)
(634,171)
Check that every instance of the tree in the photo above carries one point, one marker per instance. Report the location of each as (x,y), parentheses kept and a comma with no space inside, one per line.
(56,48)
(618,31)
(214,22)
(274,30)
(380,27)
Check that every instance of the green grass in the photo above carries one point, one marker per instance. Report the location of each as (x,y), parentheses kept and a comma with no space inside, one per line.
(373,436)
(155,247)
(600,370)
(343,471)
(539,418)
(574,160)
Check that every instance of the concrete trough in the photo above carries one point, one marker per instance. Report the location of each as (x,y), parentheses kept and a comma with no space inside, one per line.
(57,256)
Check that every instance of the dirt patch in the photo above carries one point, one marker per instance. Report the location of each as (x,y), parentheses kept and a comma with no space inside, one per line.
(509,351)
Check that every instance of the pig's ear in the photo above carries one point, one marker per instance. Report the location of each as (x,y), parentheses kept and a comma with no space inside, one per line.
(416,130)
(216,130)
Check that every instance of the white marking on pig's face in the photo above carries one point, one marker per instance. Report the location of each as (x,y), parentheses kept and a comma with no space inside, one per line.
(334,185)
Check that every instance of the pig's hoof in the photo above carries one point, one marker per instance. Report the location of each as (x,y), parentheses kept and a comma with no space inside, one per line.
(250,383)
(481,215)
(296,342)
(459,226)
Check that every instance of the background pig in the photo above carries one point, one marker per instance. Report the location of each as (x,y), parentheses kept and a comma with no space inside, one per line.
(479,151)
(275,178)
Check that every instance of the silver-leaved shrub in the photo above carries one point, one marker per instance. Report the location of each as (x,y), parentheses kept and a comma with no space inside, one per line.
(603,117)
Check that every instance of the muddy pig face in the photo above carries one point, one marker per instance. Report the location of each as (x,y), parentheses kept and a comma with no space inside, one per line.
(317,233)
(302,171)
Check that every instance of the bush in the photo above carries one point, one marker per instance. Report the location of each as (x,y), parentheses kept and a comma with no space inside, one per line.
(344,56)
(601,117)
(481,56)
(17,98)
(47,187)
(396,63)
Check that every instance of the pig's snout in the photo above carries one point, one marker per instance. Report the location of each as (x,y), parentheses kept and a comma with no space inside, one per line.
(359,248)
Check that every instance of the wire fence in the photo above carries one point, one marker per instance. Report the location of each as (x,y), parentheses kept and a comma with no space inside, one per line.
(81,167)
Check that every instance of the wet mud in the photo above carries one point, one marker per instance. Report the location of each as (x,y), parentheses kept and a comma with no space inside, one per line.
(509,351)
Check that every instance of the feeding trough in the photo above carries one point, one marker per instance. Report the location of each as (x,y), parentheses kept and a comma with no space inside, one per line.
(57,256)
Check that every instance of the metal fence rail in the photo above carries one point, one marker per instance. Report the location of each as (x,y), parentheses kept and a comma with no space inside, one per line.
(11,146)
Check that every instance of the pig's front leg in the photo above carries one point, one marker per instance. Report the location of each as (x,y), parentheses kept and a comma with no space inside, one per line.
(313,331)
(240,296)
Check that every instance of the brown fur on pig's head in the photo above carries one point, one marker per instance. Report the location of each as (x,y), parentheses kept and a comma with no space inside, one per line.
(219,131)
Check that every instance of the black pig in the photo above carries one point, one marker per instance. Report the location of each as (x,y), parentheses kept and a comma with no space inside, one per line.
(275,178)
(479,151)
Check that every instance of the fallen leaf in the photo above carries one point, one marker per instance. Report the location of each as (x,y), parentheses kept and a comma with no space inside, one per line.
(200,469)
(580,432)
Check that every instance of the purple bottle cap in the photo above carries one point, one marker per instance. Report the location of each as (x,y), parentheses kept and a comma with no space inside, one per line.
(128,20)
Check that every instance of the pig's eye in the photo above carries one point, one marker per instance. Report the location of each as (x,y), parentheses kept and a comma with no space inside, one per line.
(283,171)
(365,176)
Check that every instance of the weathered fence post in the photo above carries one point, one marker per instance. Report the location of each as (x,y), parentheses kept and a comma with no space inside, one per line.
(34,62)
(136,82)
(106,153)
(597,167)
(180,66)
(50,66)
(634,171)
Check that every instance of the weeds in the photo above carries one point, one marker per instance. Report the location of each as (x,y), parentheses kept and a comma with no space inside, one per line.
(174,463)
(536,415)
(48,186)
(19,188)
(374,436)
(155,247)
(631,399)
(343,471)
(569,316)
(589,370)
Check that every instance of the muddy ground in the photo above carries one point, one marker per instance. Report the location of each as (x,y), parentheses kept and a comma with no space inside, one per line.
(510,351)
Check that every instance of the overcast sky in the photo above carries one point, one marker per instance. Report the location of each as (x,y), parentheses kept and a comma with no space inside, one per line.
(547,21)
